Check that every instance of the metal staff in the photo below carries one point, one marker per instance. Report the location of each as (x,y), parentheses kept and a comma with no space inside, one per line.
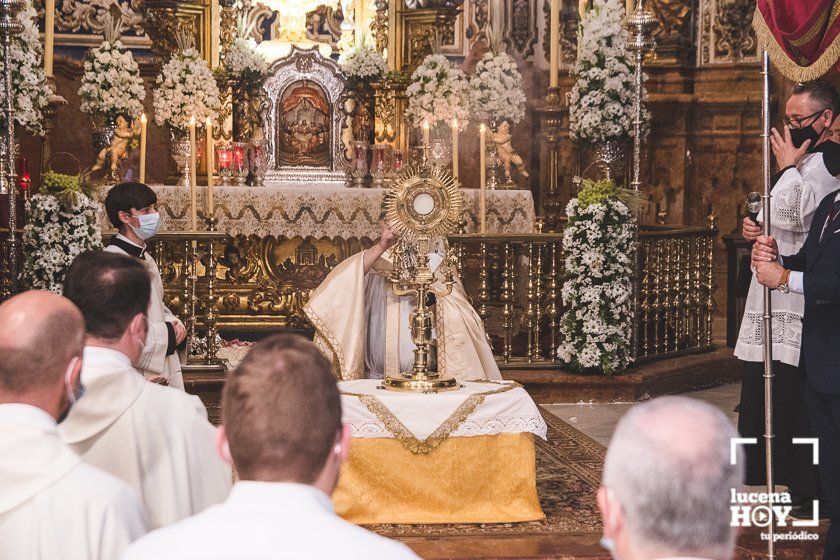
(768,315)
(9,27)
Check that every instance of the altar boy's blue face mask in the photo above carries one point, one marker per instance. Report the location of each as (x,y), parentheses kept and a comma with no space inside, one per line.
(149,225)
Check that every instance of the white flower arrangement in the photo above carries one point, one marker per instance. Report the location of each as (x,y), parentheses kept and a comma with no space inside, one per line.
(596,330)
(359,61)
(185,88)
(29,82)
(243,63)
(56,233)
(439,92)
(497,89)
(111,84)
(601,102)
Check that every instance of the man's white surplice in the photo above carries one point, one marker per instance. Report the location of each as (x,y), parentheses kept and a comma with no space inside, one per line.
(261,520)
(155,438)
(52,505)
(795,198)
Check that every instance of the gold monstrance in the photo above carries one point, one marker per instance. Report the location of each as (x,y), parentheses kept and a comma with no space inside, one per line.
(423,204)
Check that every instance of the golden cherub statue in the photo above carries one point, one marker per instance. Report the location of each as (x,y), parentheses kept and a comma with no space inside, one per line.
(508,158)
(123,134)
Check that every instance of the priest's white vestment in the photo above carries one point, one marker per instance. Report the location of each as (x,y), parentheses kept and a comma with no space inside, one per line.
(52,505)
(362,326)
(155,438)
(268,520)
(153,360)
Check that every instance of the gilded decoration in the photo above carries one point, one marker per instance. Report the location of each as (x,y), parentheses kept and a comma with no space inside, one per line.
(522,31)
(674,34)
(725,32)
(84,20)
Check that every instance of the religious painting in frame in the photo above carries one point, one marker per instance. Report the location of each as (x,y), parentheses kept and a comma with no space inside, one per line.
(305,116)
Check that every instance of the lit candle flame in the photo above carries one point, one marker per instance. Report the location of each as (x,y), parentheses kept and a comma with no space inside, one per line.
(143,118)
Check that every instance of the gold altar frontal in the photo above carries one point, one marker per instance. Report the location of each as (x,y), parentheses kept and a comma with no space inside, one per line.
(479,479)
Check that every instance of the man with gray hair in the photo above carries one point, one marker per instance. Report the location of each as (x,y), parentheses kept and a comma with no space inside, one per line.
(666,495)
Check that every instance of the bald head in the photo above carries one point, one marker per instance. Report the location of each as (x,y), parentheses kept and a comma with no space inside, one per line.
(40,332)
(668,465)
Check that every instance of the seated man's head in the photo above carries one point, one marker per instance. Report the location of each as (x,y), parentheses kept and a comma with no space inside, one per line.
(42,336)
(281,413)
(667,482)
(132,209)
(112,291)
(811,110)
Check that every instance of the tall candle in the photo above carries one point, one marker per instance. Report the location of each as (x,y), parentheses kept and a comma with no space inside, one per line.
(426,136)
(482,196)
(211,165)
(582,7)
(630,6)
(143,148)
(455,150)
(554,50)
(49,35)
(193,220)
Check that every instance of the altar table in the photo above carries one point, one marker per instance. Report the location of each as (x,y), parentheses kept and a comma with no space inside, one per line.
(321,211)
(464,456)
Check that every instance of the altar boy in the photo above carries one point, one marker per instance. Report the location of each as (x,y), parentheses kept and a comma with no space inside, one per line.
(132,209)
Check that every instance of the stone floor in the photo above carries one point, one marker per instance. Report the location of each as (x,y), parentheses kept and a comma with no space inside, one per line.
(598,420)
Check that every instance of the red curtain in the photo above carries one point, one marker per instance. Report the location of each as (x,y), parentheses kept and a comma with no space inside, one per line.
(802,37)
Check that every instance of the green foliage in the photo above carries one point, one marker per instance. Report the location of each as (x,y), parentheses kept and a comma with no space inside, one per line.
(597,192)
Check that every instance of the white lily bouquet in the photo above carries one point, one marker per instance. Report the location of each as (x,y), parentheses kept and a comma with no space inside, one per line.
(601,102)
(62,223)
(243,64)
(30,91)
(497,86)
(362,62)
(595,331)
(185,88)
(439,93)
(111,83)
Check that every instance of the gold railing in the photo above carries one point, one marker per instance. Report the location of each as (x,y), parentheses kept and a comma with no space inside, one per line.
(515,281)
(675,291)
(196,302)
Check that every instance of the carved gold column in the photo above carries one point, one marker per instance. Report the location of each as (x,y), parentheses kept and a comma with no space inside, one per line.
(389,107)
(379,26)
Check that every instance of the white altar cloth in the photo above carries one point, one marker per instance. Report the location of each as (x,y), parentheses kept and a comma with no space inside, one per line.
(319,211)
(494,408)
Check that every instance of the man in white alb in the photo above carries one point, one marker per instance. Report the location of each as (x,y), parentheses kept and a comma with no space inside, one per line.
(282,431)
(132,209)
(52,505)
(156,439)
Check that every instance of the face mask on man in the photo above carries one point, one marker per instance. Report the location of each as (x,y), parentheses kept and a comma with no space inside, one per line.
(799,135)
(149,225)
(73,393)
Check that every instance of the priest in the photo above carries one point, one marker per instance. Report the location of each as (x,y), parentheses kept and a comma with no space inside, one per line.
(363,327)
(155,438)
(52,505)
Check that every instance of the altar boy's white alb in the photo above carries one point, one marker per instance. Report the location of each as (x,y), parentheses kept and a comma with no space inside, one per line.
(282,430)
(155,438)
(131,208)
(52,505)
